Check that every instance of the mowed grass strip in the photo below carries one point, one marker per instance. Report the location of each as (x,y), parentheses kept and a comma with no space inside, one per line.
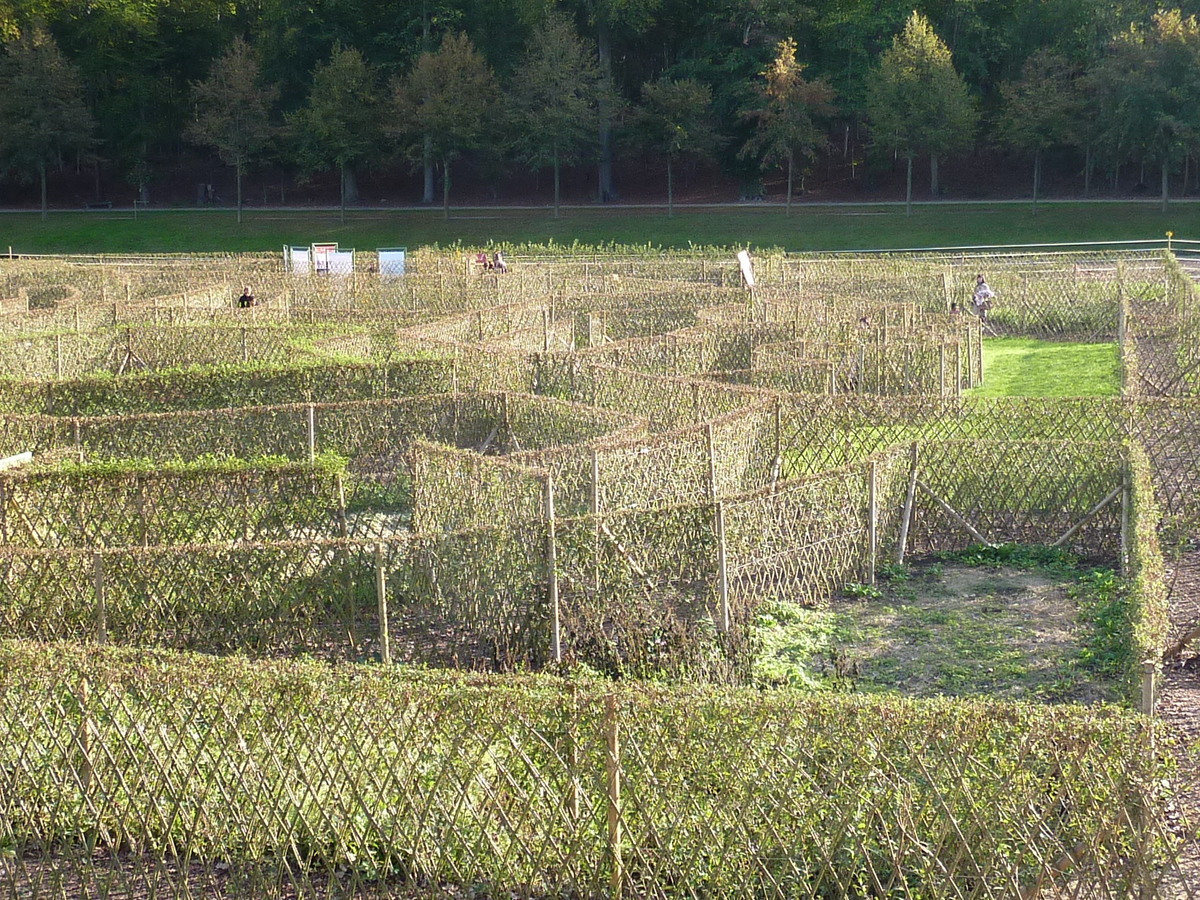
(809,227)
(1024,367)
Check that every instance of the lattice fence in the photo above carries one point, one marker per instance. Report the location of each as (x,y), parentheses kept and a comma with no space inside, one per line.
(129,772)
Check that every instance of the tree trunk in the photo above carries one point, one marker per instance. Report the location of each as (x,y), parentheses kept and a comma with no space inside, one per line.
(239,191)
(1087,171)
(427,164)
(351,184)
(605,171)
(342,182)
(788,205)
(557,183)
(1037,175)
(42,176)
(1165,181)
(933,175)
(670,188)
(908,189)
(446,188)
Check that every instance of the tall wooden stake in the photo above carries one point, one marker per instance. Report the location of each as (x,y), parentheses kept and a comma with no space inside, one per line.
(552,573)
(612,766)
(712,462)
(722,566)
(872,522)
(312,433)
(101,602)
(385,640)
(909,499)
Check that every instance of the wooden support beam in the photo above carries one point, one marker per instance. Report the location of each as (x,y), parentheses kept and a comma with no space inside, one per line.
(954,514)
(1087,516)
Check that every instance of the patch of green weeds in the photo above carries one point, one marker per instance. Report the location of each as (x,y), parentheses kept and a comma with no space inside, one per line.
(801,647)
(862,591)
(1108,646)
(1053,560)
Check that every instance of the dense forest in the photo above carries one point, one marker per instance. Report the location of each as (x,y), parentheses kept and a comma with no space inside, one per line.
(589,100)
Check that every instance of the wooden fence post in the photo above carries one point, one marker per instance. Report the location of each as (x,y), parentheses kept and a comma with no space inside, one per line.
(58,359)
(872,522)
(722,565)
(552,573)
(594,509)
(958,373)
(385,640)
(101,602)
(1126,513)
(941,370)
(575,795)
(712,462)
(245,349)
(612,766)
(1149,699)
(906,517)
(86,728)
(312,433)
(979,353)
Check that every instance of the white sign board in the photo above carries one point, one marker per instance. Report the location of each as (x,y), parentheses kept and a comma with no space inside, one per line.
(747,267)
(321,255)
(392,260)
(341,262)
(298,260)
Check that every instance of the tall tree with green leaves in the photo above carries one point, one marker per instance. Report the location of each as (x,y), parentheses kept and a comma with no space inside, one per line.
(1040,109)
(620,27)
(918,103)
(42,113)
(786,122)
(233,110)
(340,125)
(444,106)
(675,119)
(555,99)
(1148,90)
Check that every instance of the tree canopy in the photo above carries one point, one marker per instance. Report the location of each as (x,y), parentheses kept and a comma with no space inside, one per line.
(544,85)
(41,108)
(786,122)
(444,105)
(233,110)
(917,101)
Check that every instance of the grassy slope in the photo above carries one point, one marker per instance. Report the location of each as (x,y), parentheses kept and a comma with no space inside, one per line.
(1022,367)
(808,228)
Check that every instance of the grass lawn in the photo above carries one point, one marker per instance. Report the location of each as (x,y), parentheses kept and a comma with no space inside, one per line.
(808,228)
(1023,367)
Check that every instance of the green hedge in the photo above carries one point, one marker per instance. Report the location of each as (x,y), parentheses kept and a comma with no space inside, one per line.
(374,777)
(216,388)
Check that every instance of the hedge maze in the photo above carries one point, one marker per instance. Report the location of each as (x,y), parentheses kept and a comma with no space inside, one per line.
(592,463)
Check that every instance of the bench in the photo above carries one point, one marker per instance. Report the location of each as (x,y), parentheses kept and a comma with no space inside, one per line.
(99,204)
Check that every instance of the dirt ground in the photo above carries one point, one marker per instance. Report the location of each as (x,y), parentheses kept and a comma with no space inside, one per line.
(954,630)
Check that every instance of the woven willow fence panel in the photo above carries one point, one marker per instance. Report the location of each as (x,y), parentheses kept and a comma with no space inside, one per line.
(198,775)
(493,571)
(216,389)
(1026,493)
(96,509)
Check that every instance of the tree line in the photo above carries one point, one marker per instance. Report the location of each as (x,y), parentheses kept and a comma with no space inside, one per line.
(122,86)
